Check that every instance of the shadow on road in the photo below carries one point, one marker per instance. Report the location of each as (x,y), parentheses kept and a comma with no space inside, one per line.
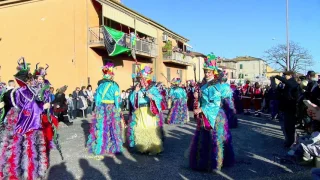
(121,167)
(90,172)
(60,171)
(86,131)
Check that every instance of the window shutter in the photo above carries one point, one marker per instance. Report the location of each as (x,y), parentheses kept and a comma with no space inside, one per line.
(168,74)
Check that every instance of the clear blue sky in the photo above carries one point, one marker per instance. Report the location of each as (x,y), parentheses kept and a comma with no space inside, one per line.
(231,28)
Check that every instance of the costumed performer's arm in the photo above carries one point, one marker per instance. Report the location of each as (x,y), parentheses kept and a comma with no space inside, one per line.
(132,99)
(183,94)
(229,95)
(117,98)
(156,96)
(212,107)
(171,93)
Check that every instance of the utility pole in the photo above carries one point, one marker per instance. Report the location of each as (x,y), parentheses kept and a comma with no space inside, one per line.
(287,28)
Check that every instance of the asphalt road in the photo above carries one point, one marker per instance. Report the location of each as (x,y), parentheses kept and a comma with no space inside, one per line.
(255,142)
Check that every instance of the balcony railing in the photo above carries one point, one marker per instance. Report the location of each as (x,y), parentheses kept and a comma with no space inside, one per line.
(142,47)
(177,56)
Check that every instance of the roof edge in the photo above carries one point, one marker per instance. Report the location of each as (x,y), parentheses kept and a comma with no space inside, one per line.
(154,23)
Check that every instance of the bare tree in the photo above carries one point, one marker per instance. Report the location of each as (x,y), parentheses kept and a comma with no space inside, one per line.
(300,58)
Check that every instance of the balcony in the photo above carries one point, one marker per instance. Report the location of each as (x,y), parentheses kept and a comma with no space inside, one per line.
(177,58)
(143,47)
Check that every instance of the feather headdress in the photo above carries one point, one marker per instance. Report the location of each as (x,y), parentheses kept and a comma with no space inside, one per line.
(210,63)
(108,70)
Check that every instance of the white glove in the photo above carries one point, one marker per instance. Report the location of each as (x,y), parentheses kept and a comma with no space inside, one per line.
(1,105)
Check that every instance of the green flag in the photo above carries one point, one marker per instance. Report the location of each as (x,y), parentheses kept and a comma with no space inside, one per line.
(114,41)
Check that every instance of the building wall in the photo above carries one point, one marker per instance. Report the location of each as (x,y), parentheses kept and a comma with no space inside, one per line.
(52,32)
(272,72)
(56,32)
(251,69)
(198,62)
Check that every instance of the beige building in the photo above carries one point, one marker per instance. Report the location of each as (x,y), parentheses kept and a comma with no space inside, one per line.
(249,67)
(272,72)
(67,35)
(230,66)
(195,70)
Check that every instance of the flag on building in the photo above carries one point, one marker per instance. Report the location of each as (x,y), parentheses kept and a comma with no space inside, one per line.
(114,41)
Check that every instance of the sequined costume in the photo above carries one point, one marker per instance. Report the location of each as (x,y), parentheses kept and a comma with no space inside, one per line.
(145,126)
(106,130)
(22,144)
(228,104)
(207,149)
(179,113)
(2,104)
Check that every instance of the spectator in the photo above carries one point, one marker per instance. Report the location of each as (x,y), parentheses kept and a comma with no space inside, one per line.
(70,107)
(61,107)
(124,100)
(75,99)
(127,99)
(289,100)
(273,95)
(90,98)
(312,83)
(11,85)
(83,105)
(52,95)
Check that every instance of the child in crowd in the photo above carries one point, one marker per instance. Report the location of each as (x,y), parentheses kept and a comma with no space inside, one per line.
(70,106)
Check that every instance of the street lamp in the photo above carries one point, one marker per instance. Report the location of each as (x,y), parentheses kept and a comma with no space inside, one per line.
(287,28)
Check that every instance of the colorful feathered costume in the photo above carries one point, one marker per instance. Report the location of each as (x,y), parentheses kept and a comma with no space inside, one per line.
(227,101)
(145,126)
(211,145)
(22,144)
(48,125)
(179,113)
(2,109)
(107,125)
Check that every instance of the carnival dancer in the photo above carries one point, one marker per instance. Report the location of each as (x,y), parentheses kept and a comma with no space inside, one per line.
(257,99)
(41,83)
(163,93)
(179,113)
(236,97)
(107,125)
(246,92)
(145,126)
(190,92)
(22,144)
(233,85)
(212,133)
(3,90)
(227,101)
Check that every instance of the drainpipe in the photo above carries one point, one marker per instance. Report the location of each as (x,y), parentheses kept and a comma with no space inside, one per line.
(87,42)
(102,17)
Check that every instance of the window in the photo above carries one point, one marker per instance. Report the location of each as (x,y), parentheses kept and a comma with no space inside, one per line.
(241,76)
(168,74)
(241,66)
(232,75)
(180,74)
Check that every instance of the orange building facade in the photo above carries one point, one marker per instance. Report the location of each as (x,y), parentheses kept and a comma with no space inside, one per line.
(67,36)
